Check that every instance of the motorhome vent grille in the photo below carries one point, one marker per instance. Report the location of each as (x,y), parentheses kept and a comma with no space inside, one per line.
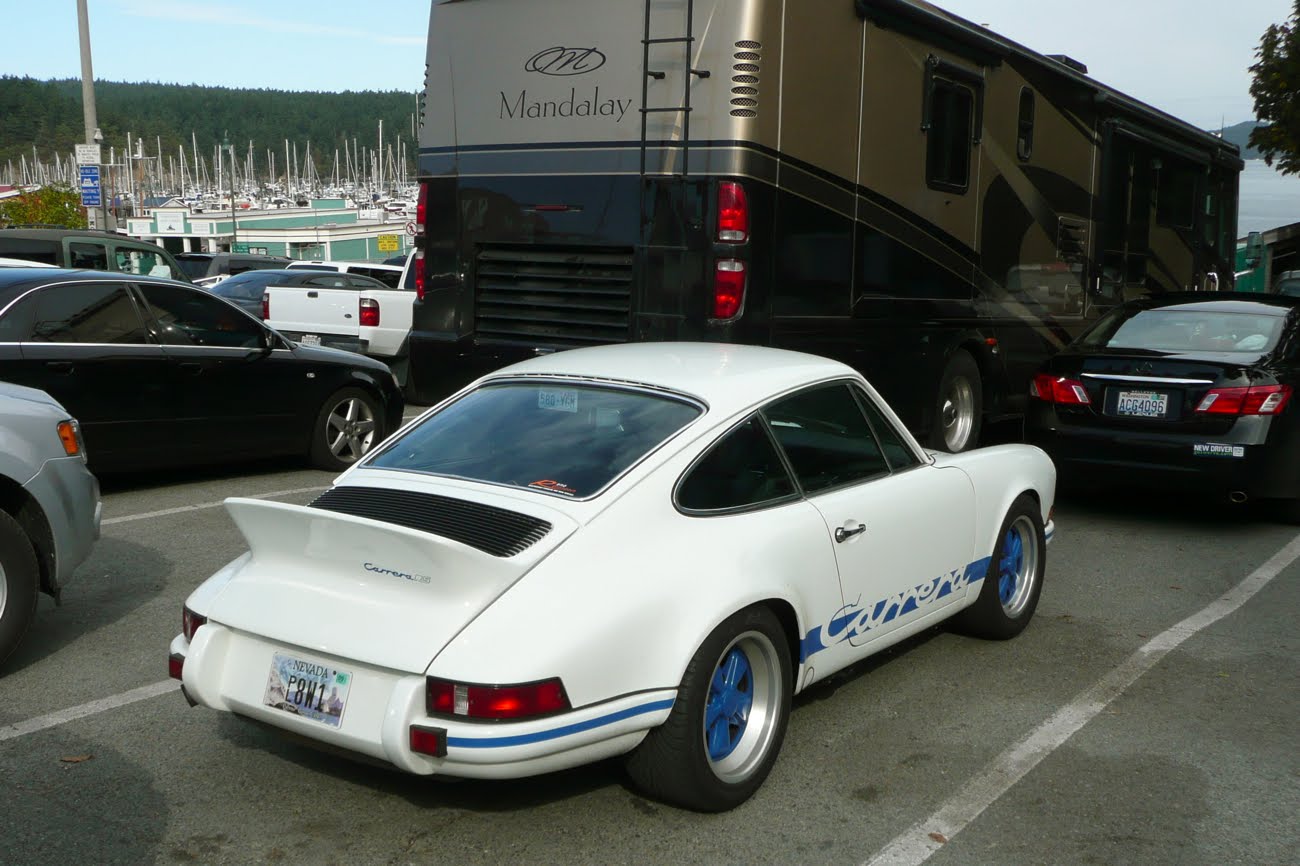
(553,296)
(744,80)
(497,531)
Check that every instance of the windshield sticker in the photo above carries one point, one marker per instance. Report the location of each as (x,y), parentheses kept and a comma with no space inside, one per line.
(554,487)
(1214,449)
(557,401)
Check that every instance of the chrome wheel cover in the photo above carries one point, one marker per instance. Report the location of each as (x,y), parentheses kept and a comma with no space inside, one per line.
(1018,566)
(350,429)
(4,590)
(742,708)
(957,414)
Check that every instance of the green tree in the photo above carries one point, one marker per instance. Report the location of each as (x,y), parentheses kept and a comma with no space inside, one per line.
(1276,89)
(49,205)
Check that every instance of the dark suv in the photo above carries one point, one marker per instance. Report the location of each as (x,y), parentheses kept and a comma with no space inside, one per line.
(202,267)
(89,250)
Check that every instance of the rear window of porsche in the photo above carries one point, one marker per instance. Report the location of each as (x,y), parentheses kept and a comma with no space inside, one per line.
(552,437)
(1175,330)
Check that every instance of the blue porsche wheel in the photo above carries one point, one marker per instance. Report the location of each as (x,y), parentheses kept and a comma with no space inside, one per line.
(1009,593)
(726,726)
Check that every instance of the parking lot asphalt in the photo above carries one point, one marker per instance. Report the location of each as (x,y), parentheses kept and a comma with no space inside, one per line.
(1140,719)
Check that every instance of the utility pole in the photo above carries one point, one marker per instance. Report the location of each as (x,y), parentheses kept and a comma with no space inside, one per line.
(93,135)
(234,226)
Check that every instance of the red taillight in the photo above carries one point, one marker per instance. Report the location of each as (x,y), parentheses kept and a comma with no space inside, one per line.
(266,307)
(496,702)
(733,213)
(369,313)
(418,264)
(1255,400)
(421,209)
(728,289)
(176,666)
(1059,390)
(190,622)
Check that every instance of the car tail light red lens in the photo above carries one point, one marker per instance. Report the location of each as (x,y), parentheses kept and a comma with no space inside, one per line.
(369,313)
(428,741)
(1059,390)
(421,209)
(733,213)
(176,666)
(266,307)
(190,622)
(1255,400)
(418,264)
(728,289)
(525,701)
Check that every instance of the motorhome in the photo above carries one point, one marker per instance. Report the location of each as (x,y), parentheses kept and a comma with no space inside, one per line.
(878,181)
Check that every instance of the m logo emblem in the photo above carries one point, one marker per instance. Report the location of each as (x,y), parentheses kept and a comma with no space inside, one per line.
(565,61)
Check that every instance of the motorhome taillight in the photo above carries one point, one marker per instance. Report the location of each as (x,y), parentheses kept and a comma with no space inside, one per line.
(421,210)
(733,213)
(418,264)
(728,289)
(369,313)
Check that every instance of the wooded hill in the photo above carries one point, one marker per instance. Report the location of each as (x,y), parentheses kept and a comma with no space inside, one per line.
(47,115)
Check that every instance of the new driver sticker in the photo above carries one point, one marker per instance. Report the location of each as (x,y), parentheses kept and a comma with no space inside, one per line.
(1215,449)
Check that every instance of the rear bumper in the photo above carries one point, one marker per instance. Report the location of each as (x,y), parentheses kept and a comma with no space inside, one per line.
(333,341)
(227,670)
(1251,459)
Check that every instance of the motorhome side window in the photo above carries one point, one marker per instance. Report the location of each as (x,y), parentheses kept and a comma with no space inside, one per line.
(948,140)
(1025,125)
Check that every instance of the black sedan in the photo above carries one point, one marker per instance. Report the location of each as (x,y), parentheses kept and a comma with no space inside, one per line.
(247,289)
(1186,392)
(163,373)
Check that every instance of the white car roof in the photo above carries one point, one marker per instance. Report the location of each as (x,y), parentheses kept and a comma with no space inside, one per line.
(23,263)
(729,378)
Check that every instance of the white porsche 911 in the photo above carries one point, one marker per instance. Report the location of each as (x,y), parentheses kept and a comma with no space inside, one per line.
(640,550)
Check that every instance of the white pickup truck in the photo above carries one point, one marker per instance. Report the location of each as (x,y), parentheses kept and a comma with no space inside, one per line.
(344,311)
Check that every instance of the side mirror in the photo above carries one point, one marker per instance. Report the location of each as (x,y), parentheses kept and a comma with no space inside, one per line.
(270,340)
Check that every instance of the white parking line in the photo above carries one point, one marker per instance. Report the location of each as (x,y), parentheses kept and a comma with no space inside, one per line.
(922,840)
(181,509)
(93,708)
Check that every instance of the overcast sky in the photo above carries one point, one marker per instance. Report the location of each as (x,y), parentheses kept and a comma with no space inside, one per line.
(1187,57)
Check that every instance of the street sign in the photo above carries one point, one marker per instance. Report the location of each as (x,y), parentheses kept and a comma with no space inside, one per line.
(239,248)
(88,154)
(388,244)
(91,193)
(410,228)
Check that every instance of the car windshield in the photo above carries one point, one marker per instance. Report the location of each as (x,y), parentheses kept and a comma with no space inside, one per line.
(554,437)
(249,286)
(1181,330)
(194,266)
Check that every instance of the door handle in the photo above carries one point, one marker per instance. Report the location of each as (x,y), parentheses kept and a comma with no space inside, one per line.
(63,368)
(192,367)
(313,294)
(842,535)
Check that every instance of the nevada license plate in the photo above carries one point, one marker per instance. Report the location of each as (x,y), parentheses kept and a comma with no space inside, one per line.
(310,340)
(1142,404)
(307,688)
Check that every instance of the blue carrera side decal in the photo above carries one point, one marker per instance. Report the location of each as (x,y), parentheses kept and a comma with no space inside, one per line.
(854,619)
(555,733)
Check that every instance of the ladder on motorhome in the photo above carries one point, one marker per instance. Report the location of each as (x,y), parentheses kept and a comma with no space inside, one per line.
(690,74)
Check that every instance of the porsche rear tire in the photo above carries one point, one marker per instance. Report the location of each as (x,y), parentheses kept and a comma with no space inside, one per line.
(19,583)
(1011,588)
(726,728)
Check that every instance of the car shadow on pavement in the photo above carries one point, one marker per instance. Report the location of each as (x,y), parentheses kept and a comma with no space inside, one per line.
(1146,506)
(119,577)
(124,482)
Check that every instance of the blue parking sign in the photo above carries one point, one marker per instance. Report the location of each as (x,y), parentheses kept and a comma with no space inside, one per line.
(91,193)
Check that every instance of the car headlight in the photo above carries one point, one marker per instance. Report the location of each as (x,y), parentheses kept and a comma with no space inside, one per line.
(70,437)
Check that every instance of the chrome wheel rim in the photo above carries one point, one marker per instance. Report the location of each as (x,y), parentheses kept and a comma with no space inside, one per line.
(4,590)
(350,429)
(958,414)
(1018,566)
(743,705)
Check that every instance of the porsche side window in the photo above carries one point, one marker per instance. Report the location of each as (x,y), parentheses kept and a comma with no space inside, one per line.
(741,470)
(891,441)
(826,438)
(87,313)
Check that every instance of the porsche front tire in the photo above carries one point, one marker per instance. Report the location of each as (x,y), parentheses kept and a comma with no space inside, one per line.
(1010,590)
(19,583)
(727,725)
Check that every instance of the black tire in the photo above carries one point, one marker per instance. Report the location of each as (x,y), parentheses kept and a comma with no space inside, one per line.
(674,762)
(958,405)
(1010,590)
(338,439)
(19,584)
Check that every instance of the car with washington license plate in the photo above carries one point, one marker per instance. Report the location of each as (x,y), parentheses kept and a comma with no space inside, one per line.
(641,550)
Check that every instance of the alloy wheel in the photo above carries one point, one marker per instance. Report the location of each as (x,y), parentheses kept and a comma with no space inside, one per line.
(1018,566)
(743,707)
(350,429)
